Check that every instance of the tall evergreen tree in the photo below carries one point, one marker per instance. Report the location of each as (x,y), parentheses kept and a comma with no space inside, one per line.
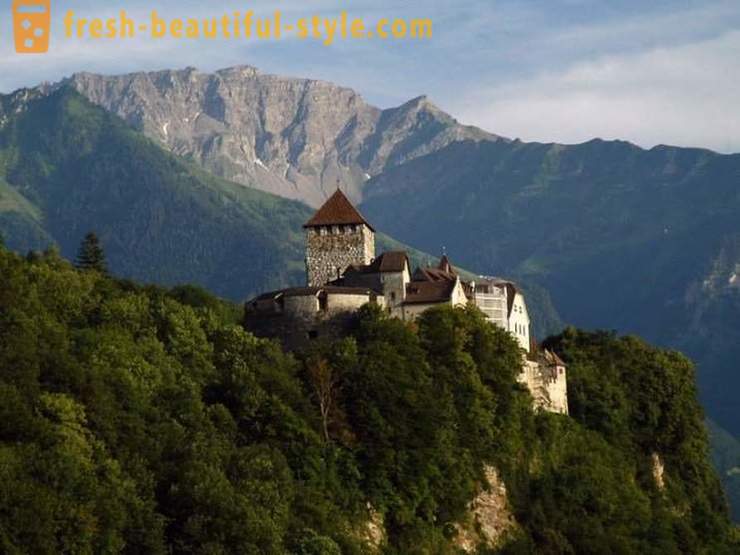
(91,255)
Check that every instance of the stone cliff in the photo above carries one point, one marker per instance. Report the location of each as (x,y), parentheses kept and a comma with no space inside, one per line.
(291,137)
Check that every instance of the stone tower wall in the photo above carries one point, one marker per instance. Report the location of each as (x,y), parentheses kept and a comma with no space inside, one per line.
(331,249)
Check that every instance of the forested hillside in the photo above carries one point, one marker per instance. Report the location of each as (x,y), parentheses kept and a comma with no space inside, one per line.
(641,241)
(68,167)
(137,419)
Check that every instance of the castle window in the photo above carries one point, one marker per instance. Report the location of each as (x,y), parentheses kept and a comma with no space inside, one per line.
(323,302)
(313,334)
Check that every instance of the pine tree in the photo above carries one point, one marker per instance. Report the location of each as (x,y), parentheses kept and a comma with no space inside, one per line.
(91,255)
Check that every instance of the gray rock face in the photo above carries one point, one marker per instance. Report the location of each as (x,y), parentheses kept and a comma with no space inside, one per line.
(291,137)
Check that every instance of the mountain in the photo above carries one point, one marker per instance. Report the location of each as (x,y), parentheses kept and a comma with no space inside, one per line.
(643,241)
(292,137)
(68,167)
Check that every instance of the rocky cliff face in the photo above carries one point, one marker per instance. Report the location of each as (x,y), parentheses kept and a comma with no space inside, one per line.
(291,137)
(489,517)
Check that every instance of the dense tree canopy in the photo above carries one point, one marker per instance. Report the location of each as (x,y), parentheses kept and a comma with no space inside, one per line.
(142,420)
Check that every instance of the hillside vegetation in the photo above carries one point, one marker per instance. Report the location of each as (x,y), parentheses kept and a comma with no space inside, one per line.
(68,167)
(138,419)
(641,241)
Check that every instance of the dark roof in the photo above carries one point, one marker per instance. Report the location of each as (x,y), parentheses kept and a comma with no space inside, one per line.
(429,292)
(360,275)
(433,274)
(391,261)
(338,210)
(443,272)
(356,276)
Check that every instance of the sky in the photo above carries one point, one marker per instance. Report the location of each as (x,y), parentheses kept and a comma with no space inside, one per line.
(651,72)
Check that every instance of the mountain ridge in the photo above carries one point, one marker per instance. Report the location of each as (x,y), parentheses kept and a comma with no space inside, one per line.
(291,137)
(623,236)
(68,167)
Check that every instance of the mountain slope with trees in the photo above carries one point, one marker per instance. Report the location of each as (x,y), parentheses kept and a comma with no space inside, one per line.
(68,168)
(643,241)
(623,236)
(138,419)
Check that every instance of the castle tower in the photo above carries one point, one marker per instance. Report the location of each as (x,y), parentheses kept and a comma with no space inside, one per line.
(336,237)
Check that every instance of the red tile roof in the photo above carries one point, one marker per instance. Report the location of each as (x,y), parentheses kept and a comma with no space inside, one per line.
(338,210)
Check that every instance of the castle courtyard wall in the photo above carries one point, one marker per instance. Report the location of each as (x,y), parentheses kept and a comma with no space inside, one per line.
(303,320)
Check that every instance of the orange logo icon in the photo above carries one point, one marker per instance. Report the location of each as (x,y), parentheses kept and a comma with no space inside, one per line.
(31,25)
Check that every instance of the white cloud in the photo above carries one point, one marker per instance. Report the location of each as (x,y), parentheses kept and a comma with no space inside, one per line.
(685,95)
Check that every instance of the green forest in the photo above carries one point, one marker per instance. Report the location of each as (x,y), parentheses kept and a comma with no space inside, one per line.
(138,419)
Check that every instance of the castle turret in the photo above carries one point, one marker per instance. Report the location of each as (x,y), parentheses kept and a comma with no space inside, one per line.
(336,237)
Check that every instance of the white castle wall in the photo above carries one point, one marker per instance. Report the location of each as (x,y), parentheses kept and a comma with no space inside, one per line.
(547,384)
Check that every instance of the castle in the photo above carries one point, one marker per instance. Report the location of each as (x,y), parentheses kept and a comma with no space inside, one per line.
(343,274)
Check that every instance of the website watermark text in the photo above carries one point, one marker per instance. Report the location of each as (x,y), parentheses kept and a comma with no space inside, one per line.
(245,26)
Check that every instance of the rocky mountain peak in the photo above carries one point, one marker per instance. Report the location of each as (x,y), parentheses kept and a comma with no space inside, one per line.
(291,137)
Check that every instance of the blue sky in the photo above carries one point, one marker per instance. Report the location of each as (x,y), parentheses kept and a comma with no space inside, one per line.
(652,72)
